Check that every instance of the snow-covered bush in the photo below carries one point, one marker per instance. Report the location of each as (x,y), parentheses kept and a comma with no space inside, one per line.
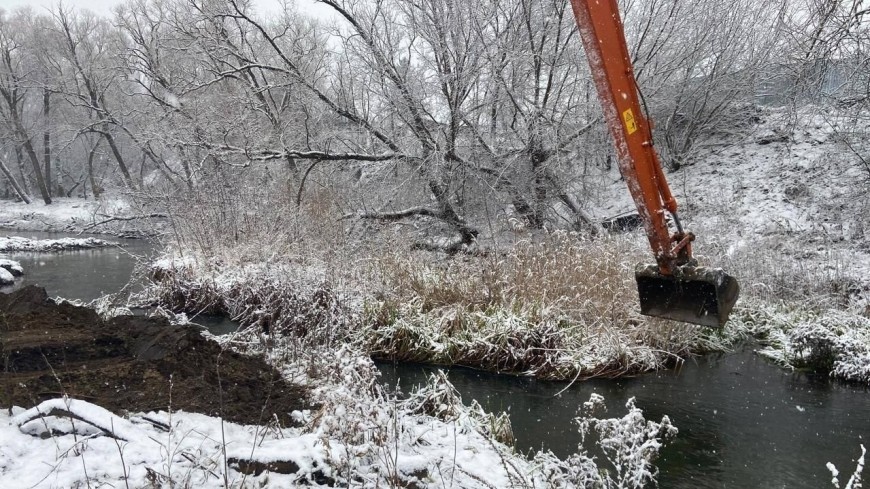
(630,445)
(830,341)
(439,399)
(272,299)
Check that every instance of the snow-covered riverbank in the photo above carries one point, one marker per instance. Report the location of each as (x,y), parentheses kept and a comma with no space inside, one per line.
(358,436)
(18,243)
(113,215)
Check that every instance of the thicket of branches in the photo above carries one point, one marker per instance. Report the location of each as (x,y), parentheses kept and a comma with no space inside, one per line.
(450,111)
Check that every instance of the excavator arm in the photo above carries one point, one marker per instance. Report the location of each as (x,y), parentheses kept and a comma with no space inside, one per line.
(673,288)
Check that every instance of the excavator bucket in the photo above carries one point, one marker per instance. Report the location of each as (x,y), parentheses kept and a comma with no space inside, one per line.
(695,295)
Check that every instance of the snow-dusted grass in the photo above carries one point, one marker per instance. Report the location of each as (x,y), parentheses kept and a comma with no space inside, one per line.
(558,307)
(828,340)
(279,299)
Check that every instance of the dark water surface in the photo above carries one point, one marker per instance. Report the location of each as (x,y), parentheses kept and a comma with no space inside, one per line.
(79,274)
(743,422)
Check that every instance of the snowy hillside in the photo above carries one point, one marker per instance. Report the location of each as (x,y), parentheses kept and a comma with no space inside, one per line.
(784,189)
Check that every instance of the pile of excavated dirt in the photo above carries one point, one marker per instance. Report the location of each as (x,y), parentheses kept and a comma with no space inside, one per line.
(131,363)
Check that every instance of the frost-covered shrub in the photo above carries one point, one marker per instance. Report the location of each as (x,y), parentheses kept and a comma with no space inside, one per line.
(439,399)
(829,341)
(853,360)
(630,445)
(815,346)
(271,299)
(575,471)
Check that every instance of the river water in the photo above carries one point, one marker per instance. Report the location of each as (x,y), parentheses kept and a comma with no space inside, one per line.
(80,274)
(743,423)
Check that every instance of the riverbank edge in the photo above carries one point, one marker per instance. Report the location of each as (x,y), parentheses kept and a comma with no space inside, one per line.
(503,341)
(112,215)
(517,342)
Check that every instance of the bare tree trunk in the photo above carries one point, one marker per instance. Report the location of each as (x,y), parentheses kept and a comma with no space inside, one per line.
(142,171)
(34,160)
(24,180)
(11,97)
(46,138)
(95,189)
(21,194)
(120,159)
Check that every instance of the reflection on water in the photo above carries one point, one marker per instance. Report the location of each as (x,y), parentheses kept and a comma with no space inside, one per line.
(743,422)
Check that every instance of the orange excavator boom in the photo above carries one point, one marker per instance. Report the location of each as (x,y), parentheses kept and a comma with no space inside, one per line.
(674,288)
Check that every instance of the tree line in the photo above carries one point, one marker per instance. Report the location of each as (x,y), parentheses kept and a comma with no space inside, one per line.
(435,108)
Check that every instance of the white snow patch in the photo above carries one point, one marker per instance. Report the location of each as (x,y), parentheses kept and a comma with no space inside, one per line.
(18,243)
(12,267)
(6,278)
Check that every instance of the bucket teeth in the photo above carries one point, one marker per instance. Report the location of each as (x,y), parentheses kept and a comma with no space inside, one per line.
(697,295)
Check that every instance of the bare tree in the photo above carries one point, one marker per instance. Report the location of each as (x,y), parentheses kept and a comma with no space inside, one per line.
(698,65)
(85,43)
(537,98)
(14,183)
(14,70)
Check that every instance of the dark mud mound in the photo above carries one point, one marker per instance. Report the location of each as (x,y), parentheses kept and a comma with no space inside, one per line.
(130,363)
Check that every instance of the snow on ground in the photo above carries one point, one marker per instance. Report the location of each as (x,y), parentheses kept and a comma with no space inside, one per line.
(192,453)
(6,277)
(62,212)
(17,243)
(12,267)
(71,443)
(784,187)
(71,215)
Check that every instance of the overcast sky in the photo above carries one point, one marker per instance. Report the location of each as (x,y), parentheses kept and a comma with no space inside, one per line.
(105,6)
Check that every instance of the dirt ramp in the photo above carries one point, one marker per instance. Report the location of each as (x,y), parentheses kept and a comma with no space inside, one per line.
(130,363)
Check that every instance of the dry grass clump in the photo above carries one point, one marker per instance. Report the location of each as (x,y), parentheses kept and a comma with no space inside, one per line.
(555,306)
(268,300)
(262,224)
(559,307)
(585,280)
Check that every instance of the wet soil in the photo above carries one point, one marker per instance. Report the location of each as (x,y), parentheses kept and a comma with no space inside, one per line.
(131,363)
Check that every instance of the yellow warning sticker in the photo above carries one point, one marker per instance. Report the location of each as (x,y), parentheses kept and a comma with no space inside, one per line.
(630,123)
